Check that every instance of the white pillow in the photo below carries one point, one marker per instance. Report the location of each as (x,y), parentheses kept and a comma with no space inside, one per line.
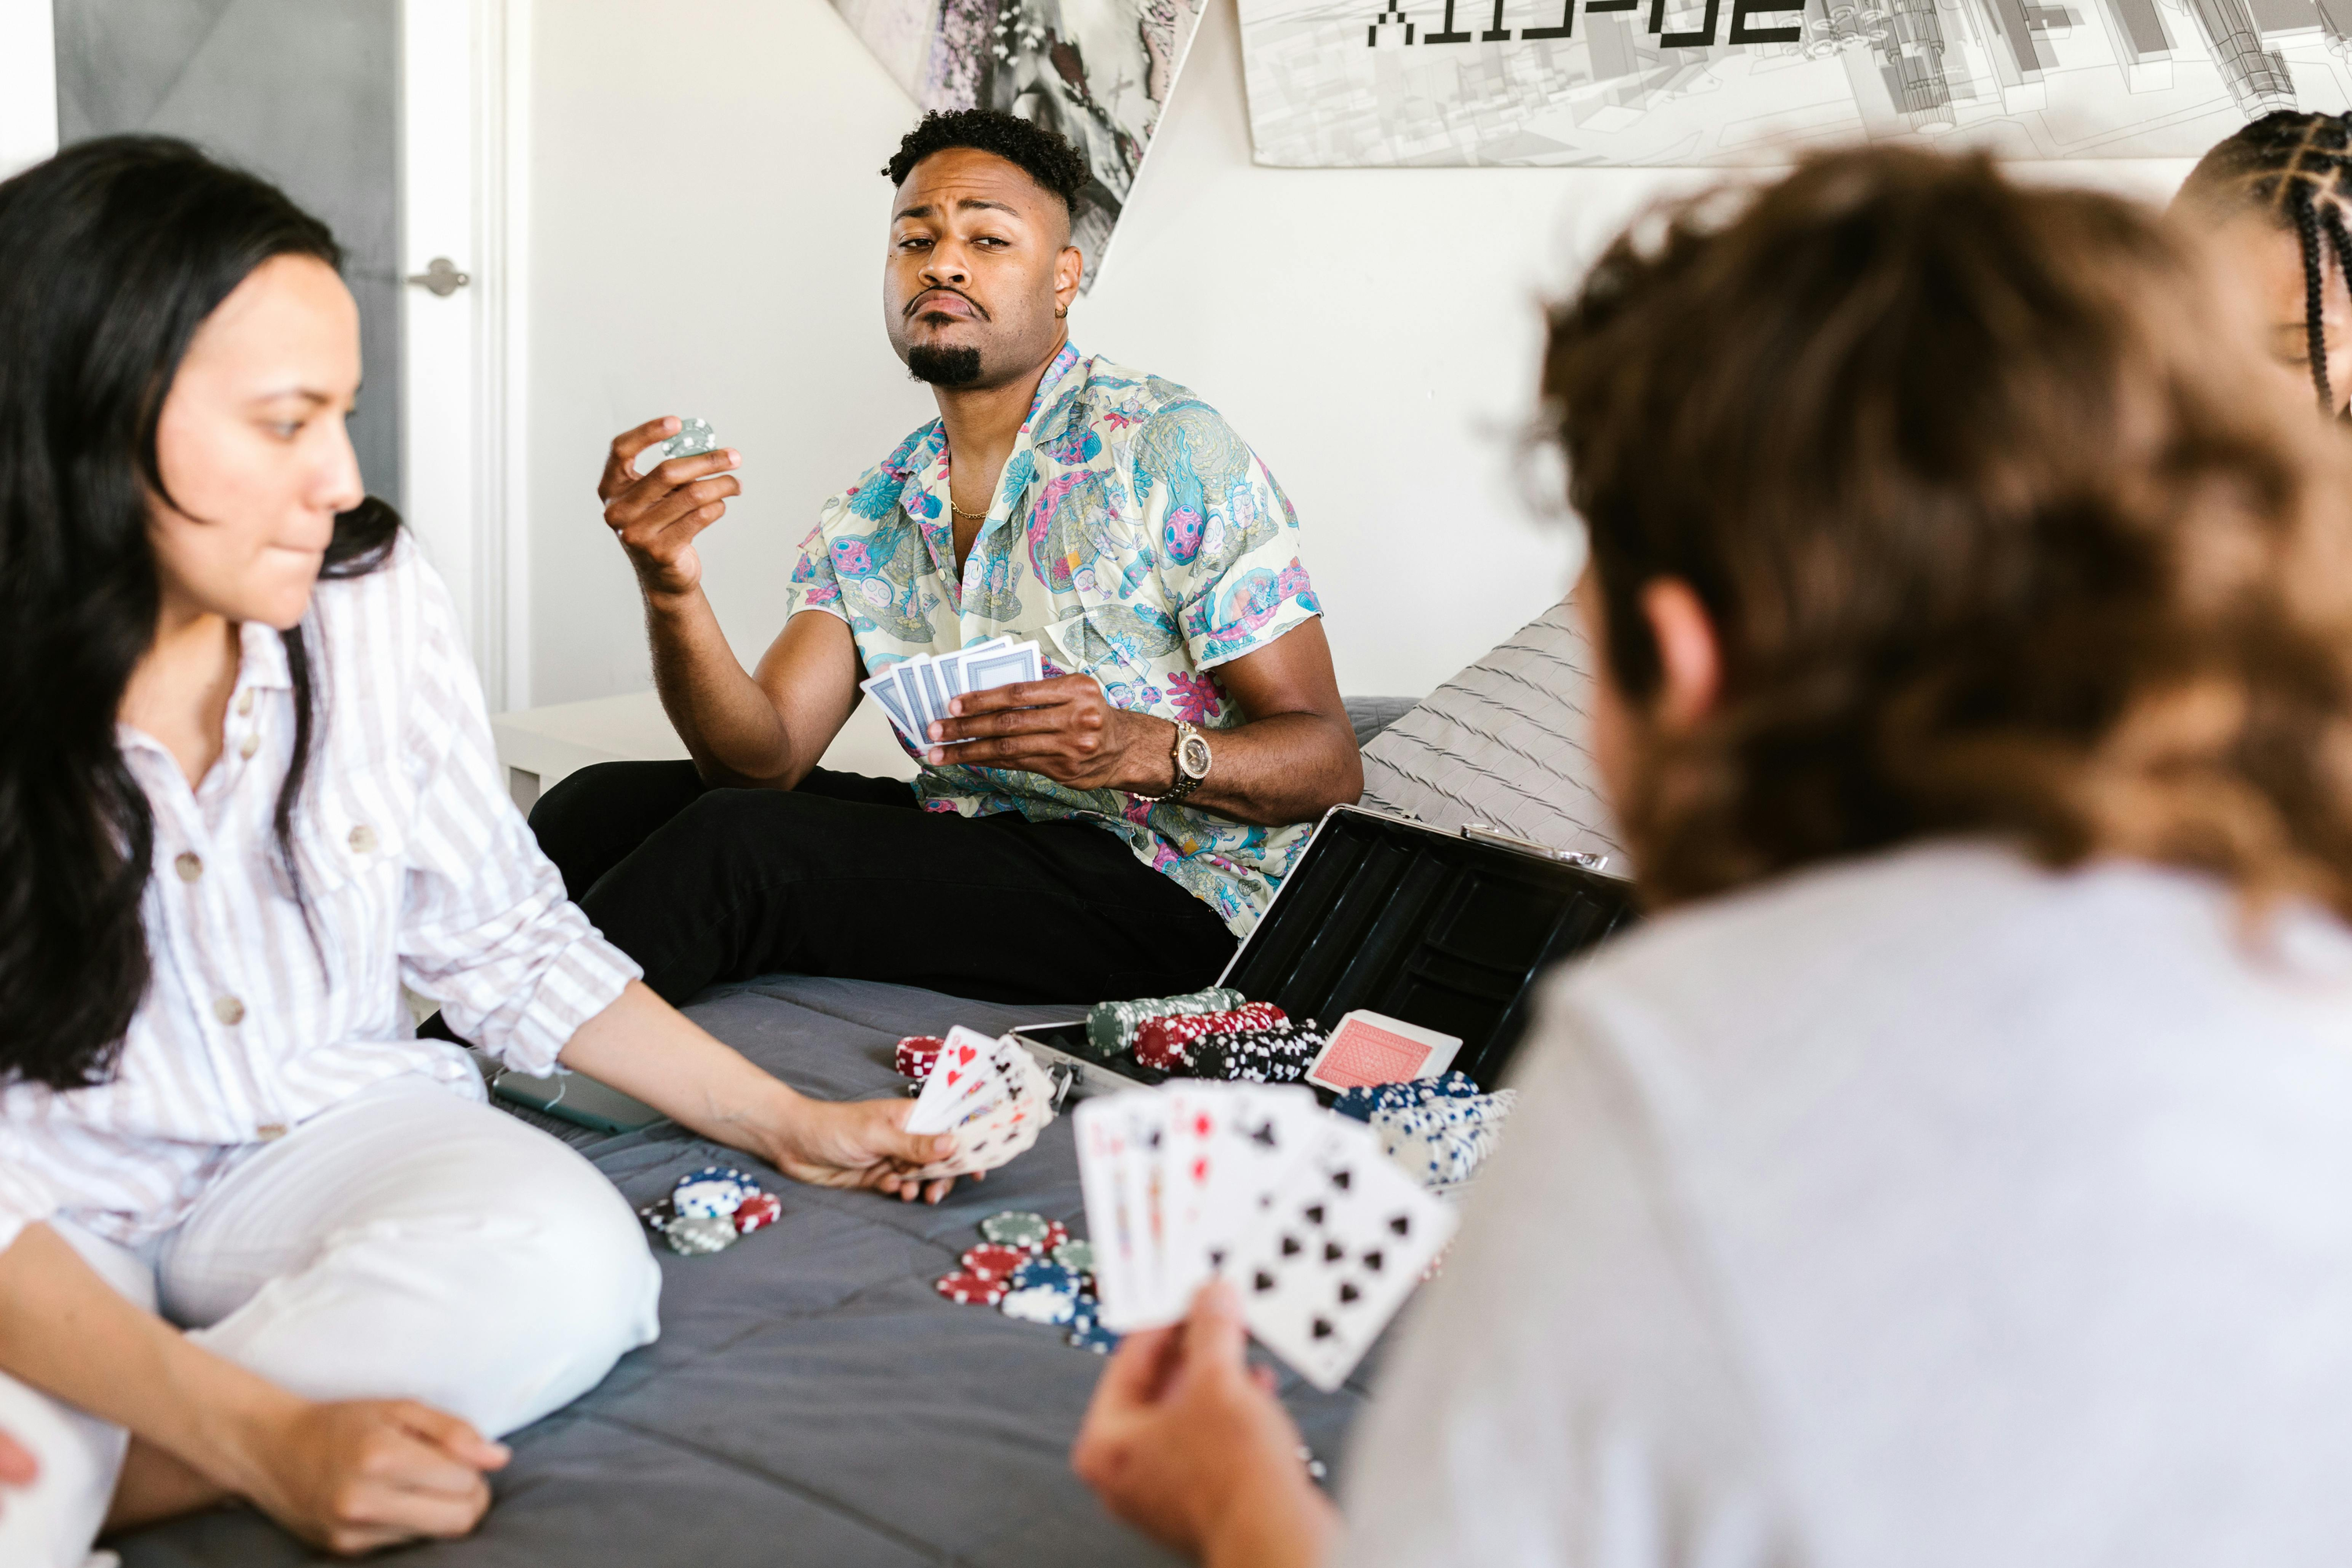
(1504,743)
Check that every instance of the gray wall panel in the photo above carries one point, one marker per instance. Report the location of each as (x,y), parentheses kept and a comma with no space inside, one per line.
(303,92)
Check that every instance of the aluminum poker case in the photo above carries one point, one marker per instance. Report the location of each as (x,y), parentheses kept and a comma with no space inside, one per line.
(1447,930)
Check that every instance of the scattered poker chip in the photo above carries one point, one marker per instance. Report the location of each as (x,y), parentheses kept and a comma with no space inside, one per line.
(1017,1227)
(1089,1335)
(1076,1255)
(1040,1304)
(696,1233)
(993,1261)
(917,1054)
(712,1193)
(970,1290)
(759,1209)
(1037,1271)
(1057,1233)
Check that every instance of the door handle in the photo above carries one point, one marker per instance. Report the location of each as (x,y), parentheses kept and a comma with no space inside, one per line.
(441,276)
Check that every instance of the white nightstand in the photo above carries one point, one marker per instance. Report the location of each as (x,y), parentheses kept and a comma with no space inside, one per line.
(542,746)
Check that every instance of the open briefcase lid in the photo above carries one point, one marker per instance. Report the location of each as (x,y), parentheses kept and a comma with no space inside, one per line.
(1448,931)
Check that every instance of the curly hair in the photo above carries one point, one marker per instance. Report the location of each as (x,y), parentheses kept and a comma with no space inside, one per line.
(1045,156)
(2291,167)
(2004,529)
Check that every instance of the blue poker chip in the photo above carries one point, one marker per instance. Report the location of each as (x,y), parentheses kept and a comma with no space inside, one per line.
(1089,1335)
(1039,1271)
(712,1193)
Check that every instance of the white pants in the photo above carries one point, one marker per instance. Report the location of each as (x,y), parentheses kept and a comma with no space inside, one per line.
(407,1244)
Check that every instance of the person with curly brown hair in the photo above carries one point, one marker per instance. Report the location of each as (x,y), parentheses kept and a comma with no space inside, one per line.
(1957,1168)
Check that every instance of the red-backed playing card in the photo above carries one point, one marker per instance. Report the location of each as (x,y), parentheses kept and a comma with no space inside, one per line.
(1371,1048)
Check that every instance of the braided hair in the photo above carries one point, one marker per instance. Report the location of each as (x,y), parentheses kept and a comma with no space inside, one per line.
(2296,167)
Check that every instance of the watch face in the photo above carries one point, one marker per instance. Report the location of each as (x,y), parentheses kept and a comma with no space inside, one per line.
(1194,759)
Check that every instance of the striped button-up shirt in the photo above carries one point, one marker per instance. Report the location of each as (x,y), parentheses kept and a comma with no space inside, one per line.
(417,869)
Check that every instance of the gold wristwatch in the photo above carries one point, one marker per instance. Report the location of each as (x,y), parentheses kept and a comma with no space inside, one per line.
(1193,758)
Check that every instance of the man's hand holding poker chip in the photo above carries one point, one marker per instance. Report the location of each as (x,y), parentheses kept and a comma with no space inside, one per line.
(1064,728)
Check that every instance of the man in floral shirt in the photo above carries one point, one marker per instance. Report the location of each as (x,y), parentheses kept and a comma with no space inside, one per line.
(1110,830)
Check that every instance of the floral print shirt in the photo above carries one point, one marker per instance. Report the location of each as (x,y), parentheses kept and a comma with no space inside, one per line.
(1138,540)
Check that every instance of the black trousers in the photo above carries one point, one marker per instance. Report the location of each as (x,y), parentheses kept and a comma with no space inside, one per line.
(847,876)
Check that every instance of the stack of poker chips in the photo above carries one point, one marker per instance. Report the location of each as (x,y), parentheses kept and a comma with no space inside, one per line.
(707,1210)
(1443,1140)
(1166,1042)
(1111,1026)
(1031,1268)
(1279,1053)
(1361,1102)
(917,1054)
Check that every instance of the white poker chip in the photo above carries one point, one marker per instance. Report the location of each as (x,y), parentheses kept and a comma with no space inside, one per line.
(712,1193)
(1041,1304)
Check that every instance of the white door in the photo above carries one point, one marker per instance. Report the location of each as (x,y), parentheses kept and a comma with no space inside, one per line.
(460,73)
(462,107)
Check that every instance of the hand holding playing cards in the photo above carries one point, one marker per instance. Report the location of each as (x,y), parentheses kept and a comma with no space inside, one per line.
(862,1143)
(1064,728)
(1186,1442)
(657,514)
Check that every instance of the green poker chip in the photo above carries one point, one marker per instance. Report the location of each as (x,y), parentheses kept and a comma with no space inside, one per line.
(1077,1256)
(1015,1228)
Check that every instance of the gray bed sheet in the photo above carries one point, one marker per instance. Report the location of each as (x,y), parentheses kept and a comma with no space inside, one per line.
(812,1400)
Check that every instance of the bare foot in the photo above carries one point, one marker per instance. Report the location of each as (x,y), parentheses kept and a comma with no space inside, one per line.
(156,1486)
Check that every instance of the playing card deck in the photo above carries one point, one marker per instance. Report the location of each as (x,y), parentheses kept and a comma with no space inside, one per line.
(1320,1233)
(1371,1048)
(915,692)
(990,1094)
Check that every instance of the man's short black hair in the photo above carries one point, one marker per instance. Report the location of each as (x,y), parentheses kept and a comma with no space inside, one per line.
(1045,156)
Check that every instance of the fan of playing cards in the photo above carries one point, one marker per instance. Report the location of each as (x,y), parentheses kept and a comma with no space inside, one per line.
(915,691)
(1320,1232)
(990,1094)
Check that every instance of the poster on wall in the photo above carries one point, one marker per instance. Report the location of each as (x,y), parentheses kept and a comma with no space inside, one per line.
(1698,82)
(1098,71)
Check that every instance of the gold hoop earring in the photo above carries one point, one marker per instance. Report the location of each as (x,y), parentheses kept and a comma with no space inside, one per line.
(1060,312)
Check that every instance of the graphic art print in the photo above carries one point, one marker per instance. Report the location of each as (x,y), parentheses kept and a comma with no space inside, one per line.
(1699,82)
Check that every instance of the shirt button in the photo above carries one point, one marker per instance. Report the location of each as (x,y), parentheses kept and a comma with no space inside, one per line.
(362,840)
(188,866)
(245,703)
(229,1010)
(270,1132)
(251,744)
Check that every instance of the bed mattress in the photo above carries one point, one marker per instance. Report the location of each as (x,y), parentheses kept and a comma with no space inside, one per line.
(811,1399)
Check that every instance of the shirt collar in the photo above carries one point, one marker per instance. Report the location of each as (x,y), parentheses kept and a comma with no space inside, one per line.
(924,493)
(260,666)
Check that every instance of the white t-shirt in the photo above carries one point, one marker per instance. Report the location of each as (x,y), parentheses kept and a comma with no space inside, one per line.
(1924,1209)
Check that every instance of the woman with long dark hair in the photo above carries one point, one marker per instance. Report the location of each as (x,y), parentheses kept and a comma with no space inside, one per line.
(256,1238)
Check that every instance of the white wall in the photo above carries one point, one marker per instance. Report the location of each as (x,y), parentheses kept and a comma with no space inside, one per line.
(707,227)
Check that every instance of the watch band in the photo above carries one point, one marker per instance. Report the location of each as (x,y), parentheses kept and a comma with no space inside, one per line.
(1186,781)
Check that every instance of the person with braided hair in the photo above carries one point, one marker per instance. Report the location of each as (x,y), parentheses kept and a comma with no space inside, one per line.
(2273,198)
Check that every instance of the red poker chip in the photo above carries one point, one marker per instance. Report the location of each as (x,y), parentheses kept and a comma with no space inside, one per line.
(970,1290)
(993,1261)
(916,1054)
(1057,1233)
(759,1209)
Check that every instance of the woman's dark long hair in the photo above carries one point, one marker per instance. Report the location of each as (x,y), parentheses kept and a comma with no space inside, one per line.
(111,255)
